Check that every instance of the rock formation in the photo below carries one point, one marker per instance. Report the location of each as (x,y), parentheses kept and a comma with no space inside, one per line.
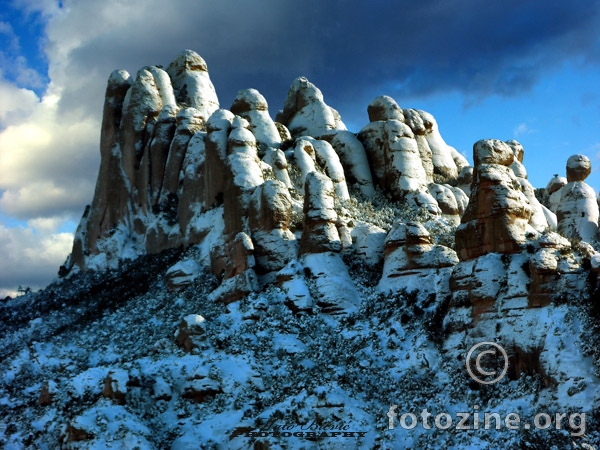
(498,212)
(577,211)
(267,201)
(414,263)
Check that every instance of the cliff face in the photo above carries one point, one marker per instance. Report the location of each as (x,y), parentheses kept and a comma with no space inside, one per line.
(178,171)
(331,220)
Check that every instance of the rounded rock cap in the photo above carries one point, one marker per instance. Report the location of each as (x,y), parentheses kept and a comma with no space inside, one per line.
(248,100)
(578,168)
(555,184)
(384,108)
(517,149)
(492,151)
(187,60)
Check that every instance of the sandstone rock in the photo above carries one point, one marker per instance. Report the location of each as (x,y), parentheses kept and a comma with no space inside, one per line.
(446,198)
(253,107)
(498,213)
(164,86)
(305,159)
(191,83)
(369,242)
(217,129)
(577,213)
(477,283)
(284,134)
(111,196)
(447,161)
(164,130)
(414,262)
(402,161)
(45,398)
(334,291)
(465,179)
(329,160)
(553,189)
(543,267)
(192,332)
(354,160)
(416,124)
(311,153)
(141,108)
(538,213)
(405,171)
(555,184)
(240,257)
(305,112)
(233,289)
(244,174)
(115,386)
(373,139)
(578,168)
(161,390)
(277,160)
(189,121)
(394,157)
(192,195)
(274,244)
(320,232)
(201,389)
(182,274)
(77,434)
(291,280)
(384,108)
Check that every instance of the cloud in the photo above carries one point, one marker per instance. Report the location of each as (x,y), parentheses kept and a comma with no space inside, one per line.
(522,129)
(346,48)
(48,160)
(31,255)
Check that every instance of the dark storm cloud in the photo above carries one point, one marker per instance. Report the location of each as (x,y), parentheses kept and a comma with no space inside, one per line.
(354,49)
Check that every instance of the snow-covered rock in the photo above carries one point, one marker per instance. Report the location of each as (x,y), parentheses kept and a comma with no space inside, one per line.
(320,233)
(305,112)
(498,213)
(182,273)
(577,212)
(192,84)
(253,107)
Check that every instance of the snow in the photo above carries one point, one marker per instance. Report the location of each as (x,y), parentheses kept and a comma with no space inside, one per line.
(332,336)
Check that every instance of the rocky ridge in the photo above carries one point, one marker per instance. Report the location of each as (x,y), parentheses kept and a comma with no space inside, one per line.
(331,253)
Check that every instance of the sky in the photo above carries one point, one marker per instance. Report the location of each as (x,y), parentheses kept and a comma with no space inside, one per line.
(525,70)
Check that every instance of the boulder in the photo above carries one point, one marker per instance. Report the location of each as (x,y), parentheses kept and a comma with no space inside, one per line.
(192,332)
(182,274)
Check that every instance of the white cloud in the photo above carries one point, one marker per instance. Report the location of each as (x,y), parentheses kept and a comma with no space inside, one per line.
(48,159)
(31,255)
(523,129)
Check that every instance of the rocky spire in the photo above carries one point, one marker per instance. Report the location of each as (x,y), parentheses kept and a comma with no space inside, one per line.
(577,211)
(498,212)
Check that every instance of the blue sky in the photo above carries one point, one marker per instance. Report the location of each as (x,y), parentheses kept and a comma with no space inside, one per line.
(525,70)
